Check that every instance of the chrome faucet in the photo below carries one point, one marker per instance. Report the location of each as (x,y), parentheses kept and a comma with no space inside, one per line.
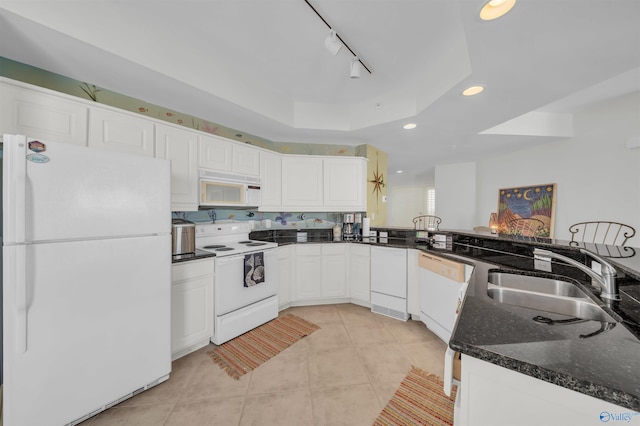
(606,279)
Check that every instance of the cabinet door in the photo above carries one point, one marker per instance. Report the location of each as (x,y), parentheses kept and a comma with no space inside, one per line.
(413,287)
(308,283)
(345,183)
(181,147)
(191,306)
(271,180)
(246,160)
(42,115)
(285,260)
(334,270)
(214,153)
(114,131)
(302,182)
(525,400)
(359,274)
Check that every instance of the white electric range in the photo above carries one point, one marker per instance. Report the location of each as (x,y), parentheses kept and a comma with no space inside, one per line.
(246,277)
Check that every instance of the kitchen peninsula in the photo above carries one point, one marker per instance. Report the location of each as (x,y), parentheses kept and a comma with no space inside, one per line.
(605,365)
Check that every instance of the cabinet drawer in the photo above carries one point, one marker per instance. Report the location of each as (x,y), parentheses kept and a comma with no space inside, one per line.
(187,270)
(334,249)
(445,267)
(309,249)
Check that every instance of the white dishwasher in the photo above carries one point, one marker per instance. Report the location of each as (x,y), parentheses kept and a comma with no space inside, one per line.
(442,285)
(389,282)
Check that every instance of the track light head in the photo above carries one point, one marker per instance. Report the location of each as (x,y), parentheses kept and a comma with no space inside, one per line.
(332,43)
(355,68)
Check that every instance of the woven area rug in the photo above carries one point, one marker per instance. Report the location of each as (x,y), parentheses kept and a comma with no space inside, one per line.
(246,352)
(419,401)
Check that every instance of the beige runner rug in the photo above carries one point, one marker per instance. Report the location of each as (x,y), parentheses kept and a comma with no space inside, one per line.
(419,400)
(246,352)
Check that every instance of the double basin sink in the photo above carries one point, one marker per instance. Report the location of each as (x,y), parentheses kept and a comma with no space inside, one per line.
(545,294)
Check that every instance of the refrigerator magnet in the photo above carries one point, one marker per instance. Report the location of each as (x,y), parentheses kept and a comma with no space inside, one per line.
(37,146)
(37,158)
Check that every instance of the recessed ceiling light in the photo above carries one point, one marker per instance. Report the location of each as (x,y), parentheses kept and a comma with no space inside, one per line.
(473,90)
(495,9)
(409,126)
(399,171)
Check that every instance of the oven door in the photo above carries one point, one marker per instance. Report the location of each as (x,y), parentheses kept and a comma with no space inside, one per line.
(230,278)
(213,193)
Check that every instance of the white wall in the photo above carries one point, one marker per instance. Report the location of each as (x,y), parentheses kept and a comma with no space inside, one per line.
(405,203)
(456,196)
(598,178)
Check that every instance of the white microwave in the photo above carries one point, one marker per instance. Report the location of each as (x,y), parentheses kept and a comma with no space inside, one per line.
(225,190)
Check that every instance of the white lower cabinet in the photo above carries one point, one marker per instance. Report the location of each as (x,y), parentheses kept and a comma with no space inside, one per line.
(334,270)
(413,289)
(320,274)
(286,265)
(191,306)
(493,395)
(308,276)
(359,280)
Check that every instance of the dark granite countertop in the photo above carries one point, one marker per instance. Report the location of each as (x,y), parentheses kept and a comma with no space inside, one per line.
(199,254)
(605,365)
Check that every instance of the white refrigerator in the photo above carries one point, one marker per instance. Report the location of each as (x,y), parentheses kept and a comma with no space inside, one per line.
(85,279)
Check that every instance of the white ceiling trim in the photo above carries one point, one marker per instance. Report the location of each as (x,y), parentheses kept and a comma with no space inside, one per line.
(535,124)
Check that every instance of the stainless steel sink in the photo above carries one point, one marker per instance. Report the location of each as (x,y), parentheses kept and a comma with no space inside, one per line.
(544,294)
(577,307)
(537,284)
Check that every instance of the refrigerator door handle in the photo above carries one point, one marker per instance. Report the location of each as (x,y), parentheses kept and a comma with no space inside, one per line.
(22,300)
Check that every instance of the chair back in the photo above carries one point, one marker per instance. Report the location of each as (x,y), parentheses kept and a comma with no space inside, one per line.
(601,232)
(426,223)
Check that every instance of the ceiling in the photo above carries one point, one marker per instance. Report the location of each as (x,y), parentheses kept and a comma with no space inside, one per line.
(260,66)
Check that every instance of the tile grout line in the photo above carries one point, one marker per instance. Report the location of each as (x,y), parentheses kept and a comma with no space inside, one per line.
(355,348)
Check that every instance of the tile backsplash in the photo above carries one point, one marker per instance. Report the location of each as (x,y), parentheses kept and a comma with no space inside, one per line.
(264,220)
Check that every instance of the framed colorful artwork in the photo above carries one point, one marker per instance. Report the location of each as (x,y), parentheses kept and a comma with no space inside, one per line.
(527,210)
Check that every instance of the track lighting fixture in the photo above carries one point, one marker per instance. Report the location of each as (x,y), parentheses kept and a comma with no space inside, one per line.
(334,43)
(355,68)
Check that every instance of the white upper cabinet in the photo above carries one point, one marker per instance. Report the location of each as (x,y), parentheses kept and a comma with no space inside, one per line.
(302,182)
(313,183)
(115,131)
(345,183)
(246,160)
(181,147)
(42,115)
(270,180)
(214,153)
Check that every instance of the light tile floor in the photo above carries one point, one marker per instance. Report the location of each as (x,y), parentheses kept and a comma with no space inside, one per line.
(342,374)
